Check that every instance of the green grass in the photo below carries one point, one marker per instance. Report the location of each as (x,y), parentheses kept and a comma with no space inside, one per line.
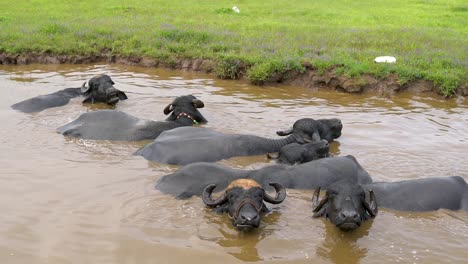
(429,38)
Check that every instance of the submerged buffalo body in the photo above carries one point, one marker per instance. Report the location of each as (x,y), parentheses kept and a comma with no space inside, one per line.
(244,201)
(425,194)
(188,145)
(191,179)
(100,89)
(346,204)
(115,125)
(296,153)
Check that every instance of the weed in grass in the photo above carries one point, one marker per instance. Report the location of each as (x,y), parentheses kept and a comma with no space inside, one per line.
(54,28)
(229,68)
(225,10)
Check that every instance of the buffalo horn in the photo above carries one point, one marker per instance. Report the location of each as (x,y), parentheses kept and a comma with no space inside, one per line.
(169,108)
(198,103)
(84,88)
(315,200)
(370,204)
(284,132)
(206,196)
(280,194)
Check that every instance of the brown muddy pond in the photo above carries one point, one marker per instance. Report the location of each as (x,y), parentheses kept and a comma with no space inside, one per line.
(65,200)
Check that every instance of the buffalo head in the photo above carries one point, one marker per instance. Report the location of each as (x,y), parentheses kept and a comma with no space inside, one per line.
(185,106)
(243,201)
(345,204)
(308,130)
(100,89)
(330,129)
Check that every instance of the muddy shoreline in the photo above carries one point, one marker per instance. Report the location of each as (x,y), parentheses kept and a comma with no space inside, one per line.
(311,78)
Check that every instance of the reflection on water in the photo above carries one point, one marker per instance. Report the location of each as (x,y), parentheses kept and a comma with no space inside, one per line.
(339,245)
(66,199)
(242,245)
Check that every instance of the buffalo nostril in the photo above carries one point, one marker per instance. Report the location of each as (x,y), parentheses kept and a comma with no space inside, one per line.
(342,215)
(355,216)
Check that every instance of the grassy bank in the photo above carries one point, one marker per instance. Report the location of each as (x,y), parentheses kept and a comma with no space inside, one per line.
(429,38)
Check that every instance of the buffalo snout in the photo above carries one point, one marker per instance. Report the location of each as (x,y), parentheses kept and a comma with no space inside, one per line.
(345,204)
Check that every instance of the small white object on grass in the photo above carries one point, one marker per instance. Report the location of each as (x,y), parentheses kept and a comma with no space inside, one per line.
(236,9)
(386,59)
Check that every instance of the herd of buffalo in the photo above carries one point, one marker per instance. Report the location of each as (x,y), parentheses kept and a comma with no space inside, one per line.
(302,153)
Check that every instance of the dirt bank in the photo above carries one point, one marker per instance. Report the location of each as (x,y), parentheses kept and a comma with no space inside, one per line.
(311,78)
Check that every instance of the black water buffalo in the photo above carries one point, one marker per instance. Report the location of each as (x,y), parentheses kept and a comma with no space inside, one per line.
(115,125)
(295,153)
(191,179)
(188,145)
(243,200)
(346,204)
(100,89)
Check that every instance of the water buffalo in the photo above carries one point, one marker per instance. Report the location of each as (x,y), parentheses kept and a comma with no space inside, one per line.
(115,125)
(100,89)
(346,204)
(243,201)
(295,153)
(191,179)
(188,145)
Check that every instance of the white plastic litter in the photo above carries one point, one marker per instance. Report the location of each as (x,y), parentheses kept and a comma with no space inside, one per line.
(235,9)
(385,59)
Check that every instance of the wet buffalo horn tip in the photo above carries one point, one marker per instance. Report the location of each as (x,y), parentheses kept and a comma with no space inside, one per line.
(315,197)
(274,155)
(371,204)
(206,196)
(280,194)
(169,108)
(318,205)
(85,88)
(284,132)
(198,103)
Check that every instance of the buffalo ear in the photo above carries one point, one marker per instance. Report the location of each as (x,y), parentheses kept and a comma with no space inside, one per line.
(319,209)
(284,132)
(198,103)
(169,108)
(370,203)
(223,208)
(89,100)
(122,95)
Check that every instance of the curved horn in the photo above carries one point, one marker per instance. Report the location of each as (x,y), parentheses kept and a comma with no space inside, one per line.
(280,194)
(318,204)
(370,204)
(169,108)
(85,89)
(284,132)
(198,103)
(206,196)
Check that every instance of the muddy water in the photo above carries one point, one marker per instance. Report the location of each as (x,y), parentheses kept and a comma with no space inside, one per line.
(64,200)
